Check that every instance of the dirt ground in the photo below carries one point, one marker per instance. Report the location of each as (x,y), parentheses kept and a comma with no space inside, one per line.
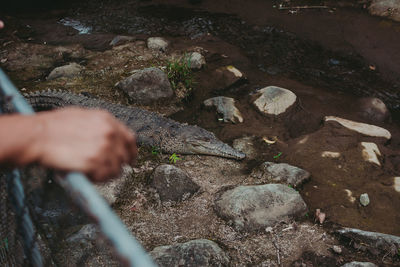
(329,58)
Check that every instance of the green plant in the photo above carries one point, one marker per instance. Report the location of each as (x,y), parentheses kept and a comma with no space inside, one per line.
(179,73)
(155,150)
(174,158)
(277,156)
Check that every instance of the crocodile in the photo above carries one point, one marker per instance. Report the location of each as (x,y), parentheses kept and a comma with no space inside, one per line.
(152,129)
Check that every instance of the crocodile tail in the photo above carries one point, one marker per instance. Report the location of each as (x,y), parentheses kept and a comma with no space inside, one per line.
(50,99)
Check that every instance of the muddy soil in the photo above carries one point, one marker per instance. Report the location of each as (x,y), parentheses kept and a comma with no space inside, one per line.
(328,57)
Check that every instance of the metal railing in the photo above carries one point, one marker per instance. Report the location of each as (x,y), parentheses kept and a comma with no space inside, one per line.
(129,251)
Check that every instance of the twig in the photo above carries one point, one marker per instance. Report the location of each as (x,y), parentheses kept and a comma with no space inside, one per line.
(277,251)
(303,7)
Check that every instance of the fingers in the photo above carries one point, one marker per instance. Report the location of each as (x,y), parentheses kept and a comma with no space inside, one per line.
(1,24)
(121,149)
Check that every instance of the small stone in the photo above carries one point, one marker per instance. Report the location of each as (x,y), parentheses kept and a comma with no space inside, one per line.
(146,86)
(67,71)
(373,109)
(227,76)
(337,249)
(281,173)
(371,152)
(121,39)
(364,199)
(200,252)
(172,183)
(111,189)
(246,145)
(330,154)
(157,43)
(359,264)
(226,107)
(273,100)
(396,184)
(197,61)
(88,232)
(362,128)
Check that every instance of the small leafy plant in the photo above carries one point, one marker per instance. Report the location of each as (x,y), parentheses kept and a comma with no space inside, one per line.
(155,151)
(174,158)
(278,155)
(180,74)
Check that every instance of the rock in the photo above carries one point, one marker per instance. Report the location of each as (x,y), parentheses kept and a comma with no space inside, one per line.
(396,184)
(88,232)
(337,249)
(172,183)
(364,199)
(146,86)
(330,154)
(226,107)
(359,264)
(256,207)
(350,195)
(68,71)
(273,100)
(157,43)
(200,252)
(246,145)
(111,189)
(385,8)
(382,244)
(373,109)
(371,152)
(281,173)
(121,39)
(227,76)
(362,128)
(197,61)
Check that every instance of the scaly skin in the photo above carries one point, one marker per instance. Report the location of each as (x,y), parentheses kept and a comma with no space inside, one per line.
(151,128)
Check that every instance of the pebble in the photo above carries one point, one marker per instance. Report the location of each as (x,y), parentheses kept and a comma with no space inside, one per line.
(364,199)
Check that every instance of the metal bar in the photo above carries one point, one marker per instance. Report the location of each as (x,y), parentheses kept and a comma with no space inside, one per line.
(129,250)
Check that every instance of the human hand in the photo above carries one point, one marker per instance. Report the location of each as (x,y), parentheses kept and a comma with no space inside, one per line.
(89,141)
(1,24)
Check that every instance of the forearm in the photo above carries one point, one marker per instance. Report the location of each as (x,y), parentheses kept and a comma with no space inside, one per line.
(18,135)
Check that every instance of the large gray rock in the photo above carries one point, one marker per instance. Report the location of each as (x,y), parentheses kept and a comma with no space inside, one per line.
(256,207)
(386,8)
(197,253)
(146,86)
(281,173)
(172,183)
(375,243)
(273,100)
(226,107)
(157,43)
(67,71)
(359,264)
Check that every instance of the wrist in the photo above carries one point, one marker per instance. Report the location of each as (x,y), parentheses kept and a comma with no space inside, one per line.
(31,135)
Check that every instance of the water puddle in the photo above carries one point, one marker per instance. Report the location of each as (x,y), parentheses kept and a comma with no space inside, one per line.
(77,25)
